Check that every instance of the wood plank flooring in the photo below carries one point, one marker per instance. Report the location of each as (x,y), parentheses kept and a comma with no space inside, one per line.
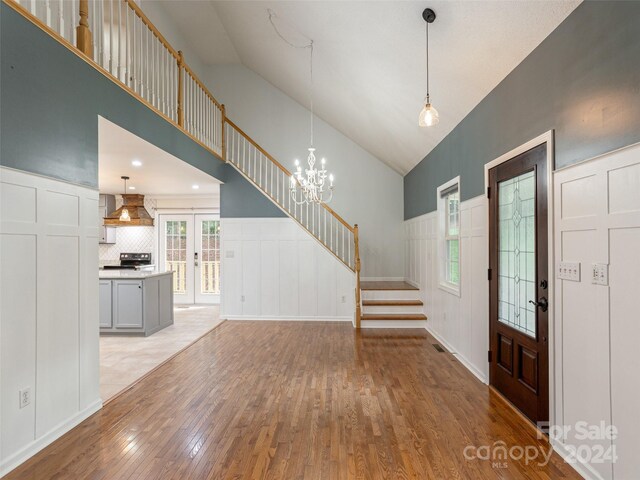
(298,400)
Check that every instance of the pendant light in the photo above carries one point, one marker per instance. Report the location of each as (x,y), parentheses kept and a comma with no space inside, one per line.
(124,214)
(428,115)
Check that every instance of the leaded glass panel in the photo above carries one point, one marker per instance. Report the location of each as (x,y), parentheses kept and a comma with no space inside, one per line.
(516,244)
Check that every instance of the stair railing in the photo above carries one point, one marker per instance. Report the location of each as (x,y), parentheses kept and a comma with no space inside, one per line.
(117,38)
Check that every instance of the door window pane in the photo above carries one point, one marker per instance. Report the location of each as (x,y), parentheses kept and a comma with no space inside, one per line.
(210,271)
(516,245)
(176,253)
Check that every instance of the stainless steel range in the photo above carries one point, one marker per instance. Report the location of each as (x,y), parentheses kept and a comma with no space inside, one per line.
(133,261)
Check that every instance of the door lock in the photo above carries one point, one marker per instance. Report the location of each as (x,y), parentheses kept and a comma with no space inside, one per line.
(195,259)
(542,304)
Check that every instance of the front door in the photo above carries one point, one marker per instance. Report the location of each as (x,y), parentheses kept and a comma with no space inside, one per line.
(518,261)
(189,244)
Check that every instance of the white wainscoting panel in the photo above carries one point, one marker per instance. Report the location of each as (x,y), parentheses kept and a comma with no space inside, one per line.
(597,327)
(49,311)
(460,323)
(273,269)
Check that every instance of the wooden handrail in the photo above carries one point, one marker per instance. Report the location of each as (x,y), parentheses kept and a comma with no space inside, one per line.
(356,239)
(284,170)
(152,27)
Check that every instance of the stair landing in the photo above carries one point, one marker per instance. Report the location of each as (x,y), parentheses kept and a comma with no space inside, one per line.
(387,286)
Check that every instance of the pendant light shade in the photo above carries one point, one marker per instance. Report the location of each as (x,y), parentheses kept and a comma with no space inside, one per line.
(124,215)
(428,116)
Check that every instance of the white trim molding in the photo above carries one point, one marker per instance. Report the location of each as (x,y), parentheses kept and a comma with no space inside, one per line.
(548,139)
(443,214)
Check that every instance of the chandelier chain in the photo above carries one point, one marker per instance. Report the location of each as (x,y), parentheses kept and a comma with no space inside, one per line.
(309,45)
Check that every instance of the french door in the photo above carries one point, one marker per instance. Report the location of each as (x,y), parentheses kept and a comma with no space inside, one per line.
(189,245)
(518,261)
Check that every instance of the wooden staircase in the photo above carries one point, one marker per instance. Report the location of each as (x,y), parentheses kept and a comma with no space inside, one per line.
(391,305)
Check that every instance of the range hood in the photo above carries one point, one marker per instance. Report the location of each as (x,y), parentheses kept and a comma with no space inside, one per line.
(138,215)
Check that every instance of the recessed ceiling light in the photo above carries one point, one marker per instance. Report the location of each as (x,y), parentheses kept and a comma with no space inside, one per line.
(132,188)
(195,187)
(136,163)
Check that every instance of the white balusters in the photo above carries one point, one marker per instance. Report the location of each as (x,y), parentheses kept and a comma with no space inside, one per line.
(274,181)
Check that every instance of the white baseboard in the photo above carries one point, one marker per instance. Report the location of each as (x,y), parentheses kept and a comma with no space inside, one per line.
(472,368)
(584,469)
(56,432)
(382,279)
(287,319)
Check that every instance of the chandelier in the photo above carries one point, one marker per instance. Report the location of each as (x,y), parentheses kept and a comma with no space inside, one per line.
(310,185)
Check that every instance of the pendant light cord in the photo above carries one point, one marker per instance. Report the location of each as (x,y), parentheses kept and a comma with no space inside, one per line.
(309,45)
(427,55)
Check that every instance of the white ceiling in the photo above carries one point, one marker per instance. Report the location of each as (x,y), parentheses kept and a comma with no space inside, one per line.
(370,58)
(160,173)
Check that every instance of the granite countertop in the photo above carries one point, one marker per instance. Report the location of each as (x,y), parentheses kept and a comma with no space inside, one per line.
(130,274)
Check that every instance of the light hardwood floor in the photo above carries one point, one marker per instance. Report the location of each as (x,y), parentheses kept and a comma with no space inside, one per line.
(298,400)
(123,360)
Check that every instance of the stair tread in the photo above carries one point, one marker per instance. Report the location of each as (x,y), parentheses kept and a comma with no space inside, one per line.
(404,303)
(390,285)
(394,316)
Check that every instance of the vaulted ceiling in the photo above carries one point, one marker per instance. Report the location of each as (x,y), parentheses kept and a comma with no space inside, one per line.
(369,58)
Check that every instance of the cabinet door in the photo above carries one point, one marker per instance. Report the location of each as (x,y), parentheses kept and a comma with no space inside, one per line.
(105,304)
(127,303)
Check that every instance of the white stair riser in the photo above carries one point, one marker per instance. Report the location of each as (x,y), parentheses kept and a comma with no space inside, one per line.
(393,324)
(394,309)
(391,294)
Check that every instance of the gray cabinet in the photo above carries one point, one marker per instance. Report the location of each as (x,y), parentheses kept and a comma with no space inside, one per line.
(106,205)
(136,306)
(105,304)
(127,303)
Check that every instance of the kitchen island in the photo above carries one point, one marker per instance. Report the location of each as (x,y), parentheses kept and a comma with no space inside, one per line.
(135,302)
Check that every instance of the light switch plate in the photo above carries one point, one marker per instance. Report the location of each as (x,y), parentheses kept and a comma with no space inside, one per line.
(600,274)
(230,254)
(569,271)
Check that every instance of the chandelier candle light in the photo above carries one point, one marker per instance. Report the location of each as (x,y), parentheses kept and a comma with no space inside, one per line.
(310,185)
(428,115)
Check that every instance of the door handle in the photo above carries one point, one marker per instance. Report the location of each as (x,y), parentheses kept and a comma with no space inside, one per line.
(542,304)
(195,259)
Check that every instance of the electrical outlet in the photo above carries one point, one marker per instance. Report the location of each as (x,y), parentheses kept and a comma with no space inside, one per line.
(25,397)
(230,254)
(242,298)
(600,274)
(344,299)
(569,271)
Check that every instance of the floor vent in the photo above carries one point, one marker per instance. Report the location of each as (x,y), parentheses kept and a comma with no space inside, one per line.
(438,347)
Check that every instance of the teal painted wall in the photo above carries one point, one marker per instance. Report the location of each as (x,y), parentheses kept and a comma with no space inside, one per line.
(583,81)
(50,100)
(240,199)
